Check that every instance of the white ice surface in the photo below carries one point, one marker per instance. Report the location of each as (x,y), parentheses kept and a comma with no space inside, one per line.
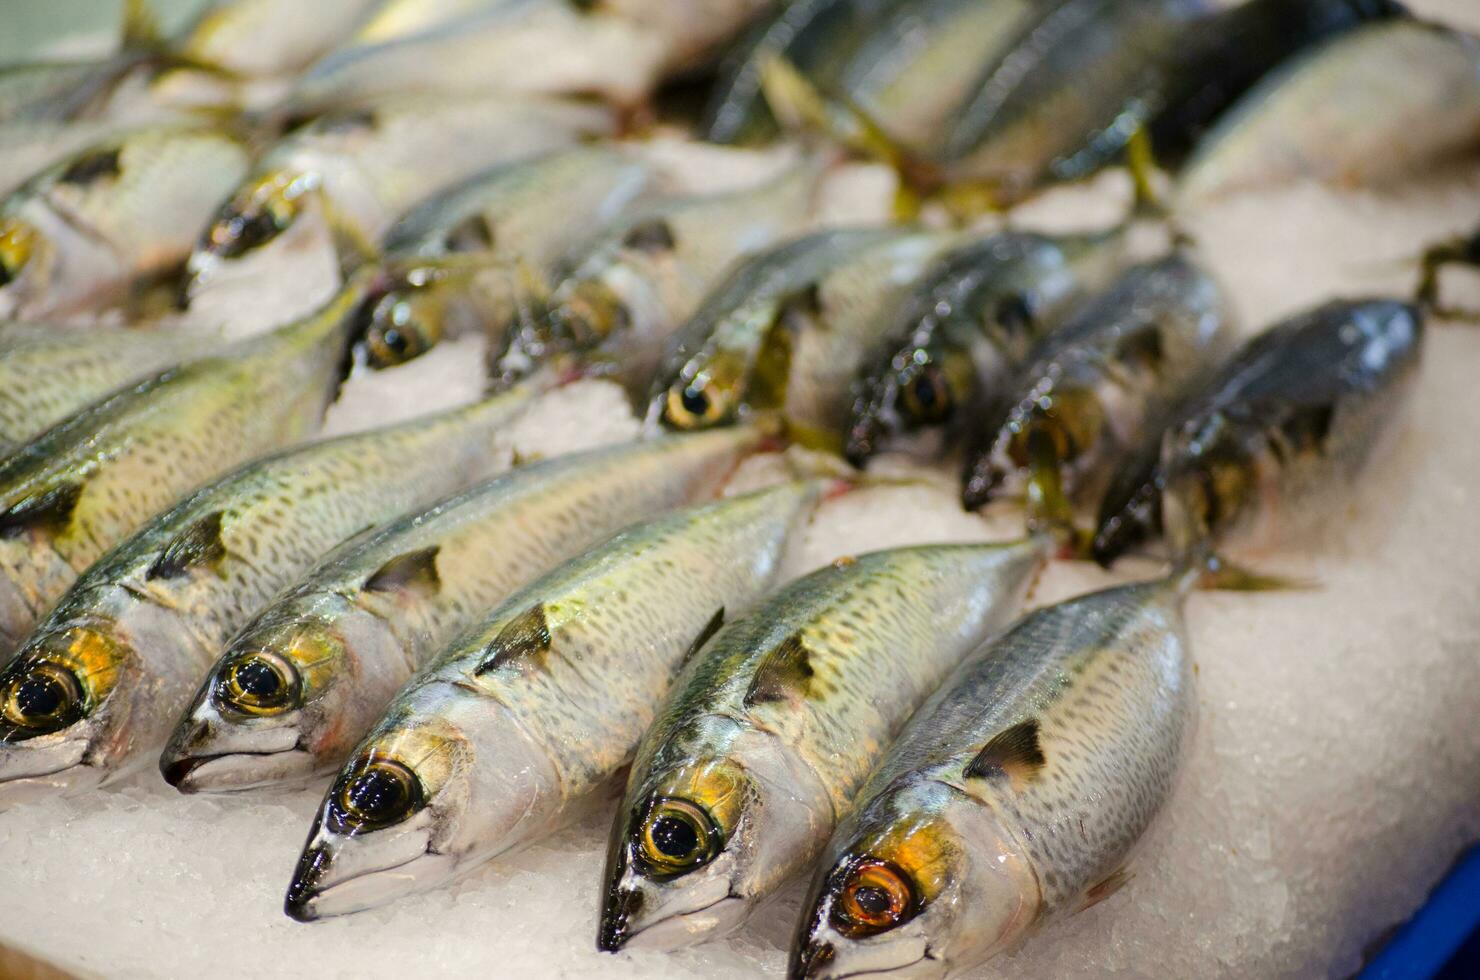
(1331,781)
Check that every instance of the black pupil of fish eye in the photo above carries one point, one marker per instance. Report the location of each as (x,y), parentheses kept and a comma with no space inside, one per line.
(377,793)
(675,837)
(694,401)
(872,900)
(258,678)
(40,697)
(395,341)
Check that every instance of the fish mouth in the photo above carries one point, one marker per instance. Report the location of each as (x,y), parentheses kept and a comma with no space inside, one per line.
(924,965)
(688,928)
(237,772)
(358,892)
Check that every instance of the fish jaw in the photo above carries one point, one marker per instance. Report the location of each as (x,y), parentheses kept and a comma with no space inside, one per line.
(49,766)
(210,753)
(486,788)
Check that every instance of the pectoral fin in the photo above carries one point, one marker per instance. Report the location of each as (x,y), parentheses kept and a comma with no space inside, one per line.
(199,545)
(710,628)
(414,572)
(526,637)
(785,674)
(50,511)
(1013,753)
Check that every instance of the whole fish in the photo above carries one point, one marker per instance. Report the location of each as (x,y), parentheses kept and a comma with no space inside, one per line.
(323,197)
(517,220)
(1376,104)
(85,484)
(83,234)
(972,316)
(47,372)
(518,46)
(1091,386)
(788,328)
(619,299)
(326,656)
(1014,796)
(1290,421)
(537,705)
(271,37)
(775,723)
(120,653)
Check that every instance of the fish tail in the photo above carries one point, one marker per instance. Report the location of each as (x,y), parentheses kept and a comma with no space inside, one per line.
(1206,570)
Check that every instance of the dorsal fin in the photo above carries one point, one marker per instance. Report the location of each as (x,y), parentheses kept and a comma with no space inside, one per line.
(710,628)
(50,510)
(1013,752)
(199,544)
(525,637)
(415,571)
(784,674)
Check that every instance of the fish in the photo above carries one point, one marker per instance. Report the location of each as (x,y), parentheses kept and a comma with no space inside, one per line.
(348,634)
(1293,419)
(787,329)
(906,66)
(971,318)
(48,372)
(85,484)
(546,47)
(514,221)
(85,233)
(1368,107)
(98,683)
(1014,796)
(321,199)
(776,722)
(538,704)
(269,38)
(1091,386)
(617,300)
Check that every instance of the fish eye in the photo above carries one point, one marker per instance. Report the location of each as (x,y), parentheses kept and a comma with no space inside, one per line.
(41,697)
(873,897)
(396,333)
(674,838)
(373,794)
(17,243)
(925,395)
(694,405)
(252,220)
(257,683)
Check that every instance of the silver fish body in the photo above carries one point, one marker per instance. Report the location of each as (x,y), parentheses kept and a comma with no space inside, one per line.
(787,329)
(352,630)
(776,722)
(1090,387)
(83,485)
(537,705)
(1376,104)
(48,371)
(1290,423)
(323,197)
(619,299)
(519,46)
(971,318)
(150,615)
(81,235)
(1014,796)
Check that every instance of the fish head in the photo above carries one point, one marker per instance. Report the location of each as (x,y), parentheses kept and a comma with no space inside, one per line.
(708,391)
(922,880)
(676,864)
(422,302)
(440,785)
(919,385)
(270,711)
(27,255)
(64,700)
(1057,427)
(578,316)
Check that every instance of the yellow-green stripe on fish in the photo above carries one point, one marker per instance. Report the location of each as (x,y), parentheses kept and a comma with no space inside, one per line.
(773,726)
(537,705)
(346,636)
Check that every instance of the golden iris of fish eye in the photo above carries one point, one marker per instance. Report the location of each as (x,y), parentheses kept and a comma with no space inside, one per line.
(874,896)
(926,395)
(694,404)
(17,245)
(257,683)
(676,837)
(42,697)
(375,793)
